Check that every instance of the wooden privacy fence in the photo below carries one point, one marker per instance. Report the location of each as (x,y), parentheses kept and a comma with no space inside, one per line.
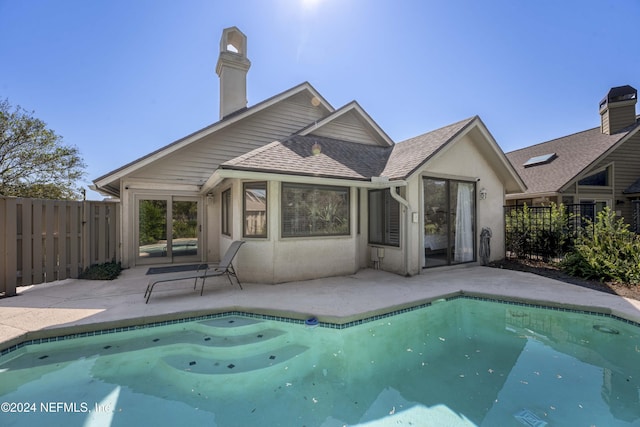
(48,240)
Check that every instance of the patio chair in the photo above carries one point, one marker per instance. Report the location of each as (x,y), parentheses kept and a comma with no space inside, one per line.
(223,268)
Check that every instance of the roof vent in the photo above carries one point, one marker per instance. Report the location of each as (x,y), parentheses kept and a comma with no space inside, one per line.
(540,160)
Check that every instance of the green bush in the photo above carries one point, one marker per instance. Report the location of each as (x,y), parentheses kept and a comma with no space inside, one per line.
(106,271)
(607,250)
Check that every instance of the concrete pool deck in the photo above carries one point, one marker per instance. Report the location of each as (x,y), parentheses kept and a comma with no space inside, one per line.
(73,306)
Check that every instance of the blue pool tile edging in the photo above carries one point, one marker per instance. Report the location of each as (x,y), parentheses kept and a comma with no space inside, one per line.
(330,325)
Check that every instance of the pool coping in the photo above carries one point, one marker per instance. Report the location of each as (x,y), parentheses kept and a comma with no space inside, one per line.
(61,333)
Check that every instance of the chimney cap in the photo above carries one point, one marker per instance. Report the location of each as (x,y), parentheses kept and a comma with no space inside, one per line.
(233,40)
(619,93)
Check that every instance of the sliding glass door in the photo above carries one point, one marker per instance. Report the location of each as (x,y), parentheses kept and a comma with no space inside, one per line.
(167,230)
(449,222)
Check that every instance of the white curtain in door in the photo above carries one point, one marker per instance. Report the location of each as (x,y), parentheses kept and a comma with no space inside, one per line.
(464,231)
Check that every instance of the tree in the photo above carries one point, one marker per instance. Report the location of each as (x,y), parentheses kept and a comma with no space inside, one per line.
(33,160)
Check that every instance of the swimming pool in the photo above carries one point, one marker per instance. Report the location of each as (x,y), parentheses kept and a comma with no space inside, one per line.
(462,362)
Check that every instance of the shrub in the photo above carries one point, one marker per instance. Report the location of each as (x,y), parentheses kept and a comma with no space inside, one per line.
(607,250)
(106,271)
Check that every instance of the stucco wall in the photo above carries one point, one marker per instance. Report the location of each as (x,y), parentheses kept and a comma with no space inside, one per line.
(462,161)
(275,259)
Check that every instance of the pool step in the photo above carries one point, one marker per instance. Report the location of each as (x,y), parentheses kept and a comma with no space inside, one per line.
(231,322)
(204,364)
(231,345)
(211,340)
(222,336)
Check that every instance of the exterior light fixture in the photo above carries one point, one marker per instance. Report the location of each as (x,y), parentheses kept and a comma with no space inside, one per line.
(483,194)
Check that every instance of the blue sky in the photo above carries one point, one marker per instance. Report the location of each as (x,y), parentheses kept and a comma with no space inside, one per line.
(121,78)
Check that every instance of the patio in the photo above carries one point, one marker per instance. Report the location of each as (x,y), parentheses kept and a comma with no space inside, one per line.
(72,306)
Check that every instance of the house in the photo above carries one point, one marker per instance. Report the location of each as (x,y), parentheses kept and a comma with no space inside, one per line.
(314,190)
(599,165)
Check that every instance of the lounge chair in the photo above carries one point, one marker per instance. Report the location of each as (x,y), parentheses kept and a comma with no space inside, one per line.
(223,268)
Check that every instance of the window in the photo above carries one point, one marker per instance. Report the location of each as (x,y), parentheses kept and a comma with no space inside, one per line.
(384,218)
(590,208)
(255,209)
(226,212)
(315,210)
(599,179)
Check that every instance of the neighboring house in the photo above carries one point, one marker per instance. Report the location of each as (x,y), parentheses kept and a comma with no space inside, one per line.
(600,165)
(315,191)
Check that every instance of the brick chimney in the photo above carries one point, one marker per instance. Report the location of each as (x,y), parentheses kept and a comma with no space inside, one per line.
(232,69)
(618,109)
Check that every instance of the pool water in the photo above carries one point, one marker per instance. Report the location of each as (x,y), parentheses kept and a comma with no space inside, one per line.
(463,362)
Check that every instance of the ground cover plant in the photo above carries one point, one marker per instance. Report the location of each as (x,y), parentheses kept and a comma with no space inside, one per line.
(106,271)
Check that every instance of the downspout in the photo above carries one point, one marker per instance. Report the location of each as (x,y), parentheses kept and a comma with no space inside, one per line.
(407,213)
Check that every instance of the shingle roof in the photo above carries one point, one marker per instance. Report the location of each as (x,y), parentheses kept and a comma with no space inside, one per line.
(409,155)
(574,153)
(343,159)
(633,188)
(294,155)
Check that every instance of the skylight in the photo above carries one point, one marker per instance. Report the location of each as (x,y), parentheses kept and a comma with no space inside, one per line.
(540,160)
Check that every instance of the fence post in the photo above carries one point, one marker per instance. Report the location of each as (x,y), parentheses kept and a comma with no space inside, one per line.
(75,240)
(3,245)
(49,244)
(25,234)
(85,230)
(37,242)
(9,240)
(62,244)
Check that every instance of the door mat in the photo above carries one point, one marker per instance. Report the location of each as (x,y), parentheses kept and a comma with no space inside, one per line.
(176,268)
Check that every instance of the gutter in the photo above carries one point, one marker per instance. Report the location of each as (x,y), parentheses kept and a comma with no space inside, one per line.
(220,174)
(393,187)
(104,191)
(407,212)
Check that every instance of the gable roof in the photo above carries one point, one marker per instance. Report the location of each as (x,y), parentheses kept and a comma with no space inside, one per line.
(345,159)
(362,162)
(334,159)
(409,155)
(110,182)
(375,132)
(574,154)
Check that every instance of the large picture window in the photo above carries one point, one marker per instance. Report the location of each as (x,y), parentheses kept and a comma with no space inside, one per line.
(384,218)
(255,209)
(314,210)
